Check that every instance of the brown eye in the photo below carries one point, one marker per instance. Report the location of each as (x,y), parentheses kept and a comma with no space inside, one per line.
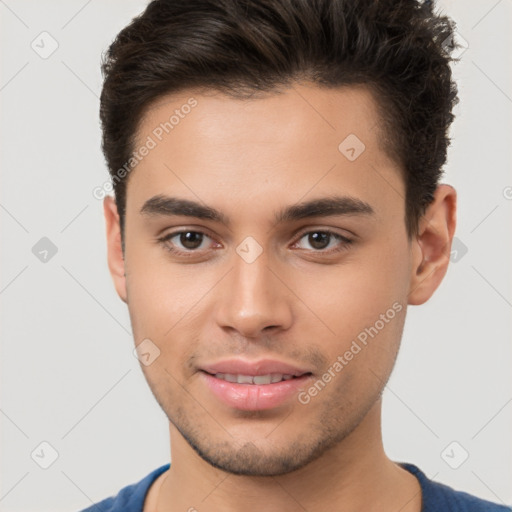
(185,242)
(191,239)
(319,240)
(324,241)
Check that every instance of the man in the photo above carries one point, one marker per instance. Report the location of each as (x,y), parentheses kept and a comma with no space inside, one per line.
(276,169)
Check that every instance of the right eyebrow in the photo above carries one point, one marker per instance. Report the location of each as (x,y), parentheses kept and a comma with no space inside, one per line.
(169,206)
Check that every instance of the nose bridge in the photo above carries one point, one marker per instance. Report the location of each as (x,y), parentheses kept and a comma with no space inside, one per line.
(255,298)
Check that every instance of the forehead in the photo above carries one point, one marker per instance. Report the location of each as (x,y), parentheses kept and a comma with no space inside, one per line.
(272,147)
(306,111)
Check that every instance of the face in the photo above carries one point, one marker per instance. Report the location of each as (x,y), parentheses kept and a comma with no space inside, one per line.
(270,277)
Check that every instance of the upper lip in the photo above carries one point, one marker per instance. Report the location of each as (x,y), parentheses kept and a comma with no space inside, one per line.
(254,368)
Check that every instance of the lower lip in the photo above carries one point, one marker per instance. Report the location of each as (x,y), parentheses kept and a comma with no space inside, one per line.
(254,397)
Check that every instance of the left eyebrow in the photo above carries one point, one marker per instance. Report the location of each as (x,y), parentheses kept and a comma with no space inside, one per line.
(323,207)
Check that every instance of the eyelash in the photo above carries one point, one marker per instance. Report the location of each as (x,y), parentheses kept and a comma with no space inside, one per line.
(346,242)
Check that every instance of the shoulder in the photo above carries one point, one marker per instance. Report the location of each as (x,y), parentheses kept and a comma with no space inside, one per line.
(129,498)
(438,497)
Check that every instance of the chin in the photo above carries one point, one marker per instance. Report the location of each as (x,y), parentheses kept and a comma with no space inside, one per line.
(247,459)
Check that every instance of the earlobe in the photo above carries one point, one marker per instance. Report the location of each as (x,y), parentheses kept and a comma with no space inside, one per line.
(115,257)
(431,248)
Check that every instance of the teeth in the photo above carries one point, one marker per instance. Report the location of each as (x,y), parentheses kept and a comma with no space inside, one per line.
(270,378)
(262,379)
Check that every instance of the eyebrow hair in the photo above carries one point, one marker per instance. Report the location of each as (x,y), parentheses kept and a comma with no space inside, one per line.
(323,207)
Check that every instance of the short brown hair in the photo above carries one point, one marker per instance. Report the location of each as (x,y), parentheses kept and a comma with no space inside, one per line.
(239,47)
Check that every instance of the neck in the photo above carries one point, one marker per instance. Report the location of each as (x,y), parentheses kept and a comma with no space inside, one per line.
(354,475)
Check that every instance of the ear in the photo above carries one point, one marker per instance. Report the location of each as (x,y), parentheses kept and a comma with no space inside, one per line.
(114,248)
(431,247)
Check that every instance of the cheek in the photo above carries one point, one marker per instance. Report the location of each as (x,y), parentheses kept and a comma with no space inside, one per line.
(363,299)
(165,304)
(160,294)
(354,294)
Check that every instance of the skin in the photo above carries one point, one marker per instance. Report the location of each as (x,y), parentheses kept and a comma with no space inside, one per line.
(296,303)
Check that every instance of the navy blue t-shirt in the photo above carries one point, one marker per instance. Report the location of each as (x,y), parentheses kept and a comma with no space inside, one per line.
(436,497)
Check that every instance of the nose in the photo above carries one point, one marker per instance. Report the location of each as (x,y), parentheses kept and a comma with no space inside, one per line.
(255,301)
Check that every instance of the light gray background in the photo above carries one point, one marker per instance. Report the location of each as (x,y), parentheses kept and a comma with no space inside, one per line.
(68,373)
